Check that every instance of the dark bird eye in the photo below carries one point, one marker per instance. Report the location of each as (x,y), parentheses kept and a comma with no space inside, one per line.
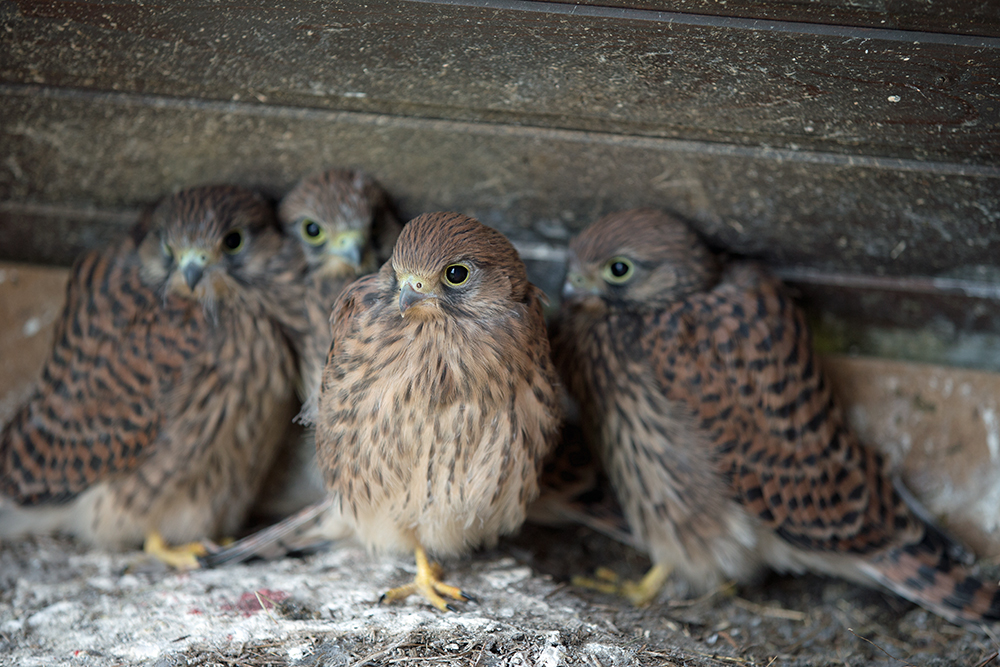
(456,274)
(618,270)
(313,232)
(232,242)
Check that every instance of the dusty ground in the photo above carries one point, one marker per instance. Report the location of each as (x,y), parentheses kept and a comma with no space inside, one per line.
(62,604)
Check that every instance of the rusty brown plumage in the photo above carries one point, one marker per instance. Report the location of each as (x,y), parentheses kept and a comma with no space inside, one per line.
(170,382)
(438,400)
(718,428)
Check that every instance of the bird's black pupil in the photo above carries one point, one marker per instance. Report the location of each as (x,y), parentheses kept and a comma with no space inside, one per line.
(619,269)
(233,240)
(312,229)
(457,274)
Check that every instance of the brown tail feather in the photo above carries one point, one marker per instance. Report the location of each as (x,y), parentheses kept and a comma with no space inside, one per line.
(294,533)
(928,573)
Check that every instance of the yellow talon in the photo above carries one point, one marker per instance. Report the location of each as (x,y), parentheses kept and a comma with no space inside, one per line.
(606,574)
(644,591)
(601,582)
(640,593)
(428,583)
(181,557)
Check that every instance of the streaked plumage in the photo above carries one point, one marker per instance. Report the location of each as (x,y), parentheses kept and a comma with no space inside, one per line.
(346,225)
(728,452)
(438,400)
(170,383)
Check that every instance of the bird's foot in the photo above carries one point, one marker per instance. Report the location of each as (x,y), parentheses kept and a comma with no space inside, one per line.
(428,583)
(603,581)
(181,557)
(640,593)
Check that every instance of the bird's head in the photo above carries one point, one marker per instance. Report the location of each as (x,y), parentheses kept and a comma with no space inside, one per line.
(332,215)
(635,258)
(451,264)
(211,243)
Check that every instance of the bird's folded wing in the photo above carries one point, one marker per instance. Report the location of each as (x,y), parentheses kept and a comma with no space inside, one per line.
(354,300)
(94,411)
(741,358)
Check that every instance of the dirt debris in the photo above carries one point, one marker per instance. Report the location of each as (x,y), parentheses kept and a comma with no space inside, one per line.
(61,604)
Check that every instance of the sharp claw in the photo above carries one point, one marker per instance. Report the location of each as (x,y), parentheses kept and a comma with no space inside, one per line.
(467,597)
(381,599)
(428,584)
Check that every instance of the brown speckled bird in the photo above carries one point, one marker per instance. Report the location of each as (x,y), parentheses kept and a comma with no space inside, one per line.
(438,400)
(347,227)
(719,431)
(170,383)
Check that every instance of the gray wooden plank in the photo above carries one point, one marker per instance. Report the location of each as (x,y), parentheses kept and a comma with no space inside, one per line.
(823,210)
(57,234)
(964,17)
(760,83)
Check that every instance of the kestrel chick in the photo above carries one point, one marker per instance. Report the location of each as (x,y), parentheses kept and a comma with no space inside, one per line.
(170,383)
(438,400)
(718,429)
(346,225)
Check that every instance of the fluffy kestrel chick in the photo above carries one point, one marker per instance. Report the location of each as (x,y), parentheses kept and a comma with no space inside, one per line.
(346,225)
(170,383)
(718,429)
(438,400)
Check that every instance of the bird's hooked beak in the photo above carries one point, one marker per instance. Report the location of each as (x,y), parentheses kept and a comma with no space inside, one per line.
(579,285)
(413,290)
(349,246)
(191,263)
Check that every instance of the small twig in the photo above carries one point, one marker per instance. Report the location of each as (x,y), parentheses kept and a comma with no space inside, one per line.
(378,654)
(560,586)
(992,635)
(482,650)
(707,596)
(908,664)
(684,654)
(729,639)
(423,658)
(771,612)
(988,659)
(723,658)
(264,607)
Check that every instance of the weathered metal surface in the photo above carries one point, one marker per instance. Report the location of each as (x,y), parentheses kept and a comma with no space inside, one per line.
(743,81)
